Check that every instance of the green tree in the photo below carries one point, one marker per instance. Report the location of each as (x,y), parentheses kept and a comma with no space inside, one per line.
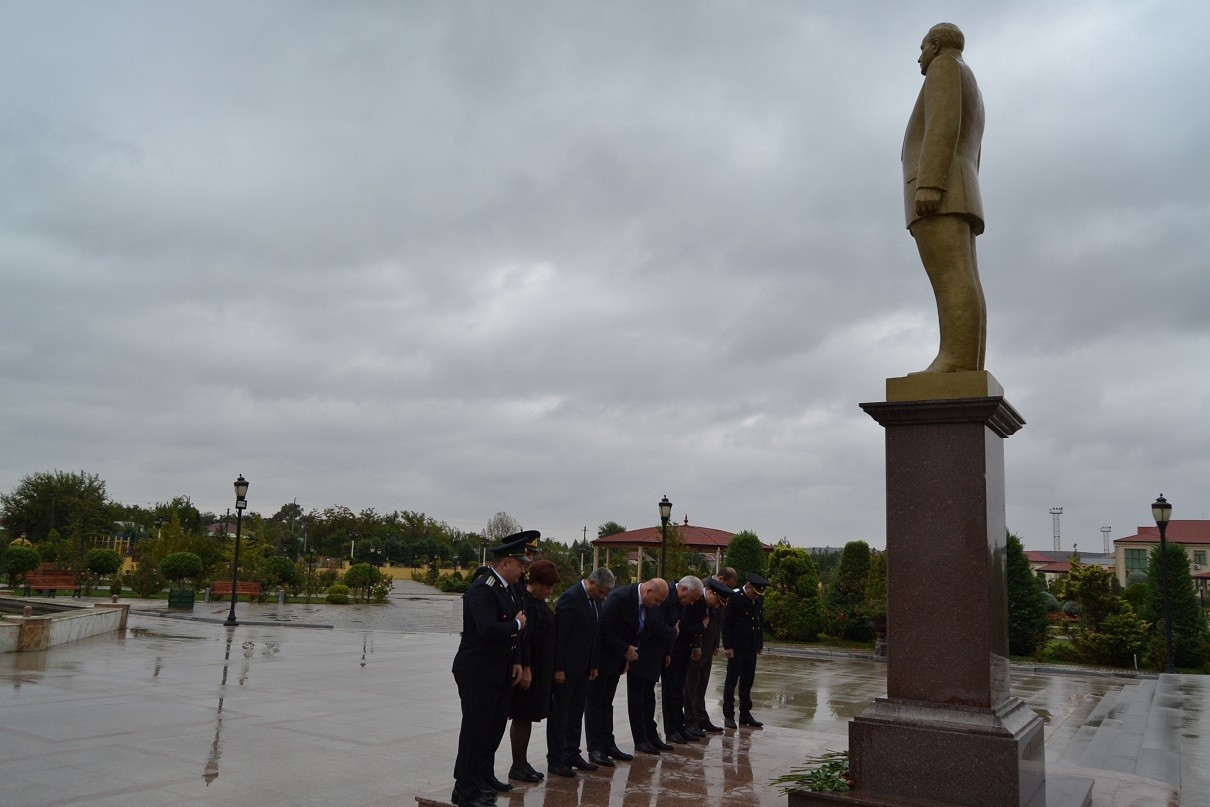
(676,565)
(745,553)
(1027,603)
(609,528)
(846,596)
(102,562)
(64,500)
(1189,631)
(279,571)
(875,587)
(1091,587)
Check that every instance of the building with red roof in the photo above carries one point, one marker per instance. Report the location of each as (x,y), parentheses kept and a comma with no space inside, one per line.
(1191,535)
(706,540)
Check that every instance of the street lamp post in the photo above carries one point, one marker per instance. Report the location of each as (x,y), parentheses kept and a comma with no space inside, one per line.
(665,513)
(241,492)
(1162,512)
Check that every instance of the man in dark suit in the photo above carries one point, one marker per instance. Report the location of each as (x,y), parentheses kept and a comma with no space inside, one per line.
(577,619)
(486,667)
(697,678)
(943,206)
(623,620)
(691,609)
(743,641)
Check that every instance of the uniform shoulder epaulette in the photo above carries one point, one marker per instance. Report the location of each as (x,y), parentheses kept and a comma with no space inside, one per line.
(491,580)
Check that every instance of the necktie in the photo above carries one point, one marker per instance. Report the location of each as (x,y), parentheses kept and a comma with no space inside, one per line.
(642,619)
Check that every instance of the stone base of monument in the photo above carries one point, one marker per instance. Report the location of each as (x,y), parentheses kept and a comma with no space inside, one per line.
(1059,791)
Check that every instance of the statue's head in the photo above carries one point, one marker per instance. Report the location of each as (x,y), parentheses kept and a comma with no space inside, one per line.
(941,36)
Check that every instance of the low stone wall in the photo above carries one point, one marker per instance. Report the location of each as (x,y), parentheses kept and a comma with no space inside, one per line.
(28,633)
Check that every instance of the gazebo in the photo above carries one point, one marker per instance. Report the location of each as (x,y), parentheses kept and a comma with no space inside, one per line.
(706,540)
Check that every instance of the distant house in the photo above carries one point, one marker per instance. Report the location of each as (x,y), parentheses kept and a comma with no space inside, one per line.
(1191,535)
(706,540)
(1052,565)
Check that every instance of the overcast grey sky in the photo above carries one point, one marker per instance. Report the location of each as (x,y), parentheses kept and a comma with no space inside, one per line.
(561,259)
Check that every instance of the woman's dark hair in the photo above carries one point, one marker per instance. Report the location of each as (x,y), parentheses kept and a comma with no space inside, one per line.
(544,572)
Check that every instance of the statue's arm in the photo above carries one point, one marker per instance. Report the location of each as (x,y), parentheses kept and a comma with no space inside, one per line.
(942,122)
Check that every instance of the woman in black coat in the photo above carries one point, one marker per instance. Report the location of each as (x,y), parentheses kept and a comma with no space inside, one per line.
(532,695)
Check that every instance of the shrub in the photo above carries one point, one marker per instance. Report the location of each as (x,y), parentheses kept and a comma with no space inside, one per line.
(338,594)
(1060,651)
(21,559)
(146,580)
(1052,604)
(360,577)
(1071,609)
(102,562)
(1121,639)
(794,618)
(181,566)
(379,591)
(454,583)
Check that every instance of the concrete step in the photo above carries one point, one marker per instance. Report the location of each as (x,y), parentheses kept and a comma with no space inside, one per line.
(1135,731)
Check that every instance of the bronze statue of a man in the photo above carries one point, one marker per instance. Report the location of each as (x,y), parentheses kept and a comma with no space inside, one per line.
(941,195)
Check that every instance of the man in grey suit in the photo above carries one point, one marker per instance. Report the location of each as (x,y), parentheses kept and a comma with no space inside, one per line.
(944,210)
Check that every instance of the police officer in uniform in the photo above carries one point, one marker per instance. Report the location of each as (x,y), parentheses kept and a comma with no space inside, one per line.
(486,667)
(742,643)
(697,678)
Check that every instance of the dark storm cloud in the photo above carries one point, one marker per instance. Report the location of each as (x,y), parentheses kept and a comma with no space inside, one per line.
(560,260)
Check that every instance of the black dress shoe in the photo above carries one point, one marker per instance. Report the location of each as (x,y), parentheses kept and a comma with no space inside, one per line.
(583,764)
(561,770)
(647,748)
(678,738)
(619,754)
(712,727)
(481,801)
(662,745)
(749,720)
(534,772)
(522,775)
(496,784)
(693,733)
(729,722)
(601,759)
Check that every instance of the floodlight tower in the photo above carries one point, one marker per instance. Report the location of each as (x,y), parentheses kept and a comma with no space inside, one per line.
(1056,512)
(1105,532)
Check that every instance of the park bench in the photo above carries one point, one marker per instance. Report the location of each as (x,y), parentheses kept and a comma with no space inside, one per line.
(49,581)
(242,589)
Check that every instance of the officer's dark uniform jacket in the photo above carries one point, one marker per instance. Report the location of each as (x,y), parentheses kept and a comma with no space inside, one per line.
(489,645)
(742,619)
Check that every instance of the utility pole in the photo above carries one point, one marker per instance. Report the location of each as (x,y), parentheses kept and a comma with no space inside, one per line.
(1056,512)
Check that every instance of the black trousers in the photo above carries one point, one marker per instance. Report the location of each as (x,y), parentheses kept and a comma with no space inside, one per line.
(697,679)
(672,689)
(484,716)
(566,715)
(598,716)
(640,708)
(741,670)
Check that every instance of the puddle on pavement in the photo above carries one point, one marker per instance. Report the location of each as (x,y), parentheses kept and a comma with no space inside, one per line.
(145,633)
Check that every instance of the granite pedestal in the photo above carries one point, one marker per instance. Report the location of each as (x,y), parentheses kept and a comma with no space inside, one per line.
(949,731)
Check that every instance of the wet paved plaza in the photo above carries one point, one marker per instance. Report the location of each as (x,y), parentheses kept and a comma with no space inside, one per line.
(364,714)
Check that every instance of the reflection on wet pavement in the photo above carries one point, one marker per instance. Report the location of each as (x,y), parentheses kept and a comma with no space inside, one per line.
(191,712)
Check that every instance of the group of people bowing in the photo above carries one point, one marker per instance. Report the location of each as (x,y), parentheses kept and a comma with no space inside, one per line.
(517,658)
